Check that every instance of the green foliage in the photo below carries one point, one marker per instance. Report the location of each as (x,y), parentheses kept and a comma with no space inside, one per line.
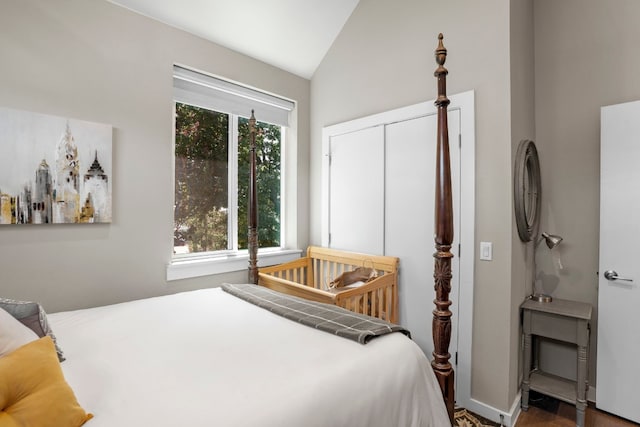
(268,166)
(201,180)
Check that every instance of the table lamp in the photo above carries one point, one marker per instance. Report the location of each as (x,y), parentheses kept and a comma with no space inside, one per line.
(552,241)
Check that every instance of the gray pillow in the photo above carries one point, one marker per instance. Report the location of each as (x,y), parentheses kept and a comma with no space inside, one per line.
(32,315)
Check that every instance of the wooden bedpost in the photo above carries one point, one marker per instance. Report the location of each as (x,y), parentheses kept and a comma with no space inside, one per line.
(252,211)
(443,238)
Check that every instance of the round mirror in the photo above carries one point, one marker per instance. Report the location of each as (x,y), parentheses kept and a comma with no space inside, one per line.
(527,190)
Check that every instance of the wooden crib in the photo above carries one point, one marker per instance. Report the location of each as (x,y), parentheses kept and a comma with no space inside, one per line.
(309,277)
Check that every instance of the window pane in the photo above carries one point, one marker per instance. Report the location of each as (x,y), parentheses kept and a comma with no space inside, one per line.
(268,145)
(201,180)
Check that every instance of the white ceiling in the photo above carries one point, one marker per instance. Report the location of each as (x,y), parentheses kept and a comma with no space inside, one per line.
(293,35)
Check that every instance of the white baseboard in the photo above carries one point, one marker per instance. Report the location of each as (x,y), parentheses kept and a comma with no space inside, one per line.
(507,419)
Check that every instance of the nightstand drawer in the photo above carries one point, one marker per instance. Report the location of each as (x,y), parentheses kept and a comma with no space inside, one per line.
(553,326)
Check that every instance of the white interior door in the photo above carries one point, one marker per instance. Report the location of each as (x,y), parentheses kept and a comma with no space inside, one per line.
(618,372)
(410,148)
(356,185)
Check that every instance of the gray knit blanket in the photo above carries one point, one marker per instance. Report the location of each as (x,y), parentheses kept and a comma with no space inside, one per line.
(325,317)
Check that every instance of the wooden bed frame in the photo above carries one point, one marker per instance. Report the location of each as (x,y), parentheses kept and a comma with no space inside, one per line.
(441,324)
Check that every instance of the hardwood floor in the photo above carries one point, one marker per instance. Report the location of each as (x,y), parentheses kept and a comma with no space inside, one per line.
(548,412)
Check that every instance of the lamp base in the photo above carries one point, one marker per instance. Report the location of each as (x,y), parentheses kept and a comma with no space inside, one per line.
(541,298)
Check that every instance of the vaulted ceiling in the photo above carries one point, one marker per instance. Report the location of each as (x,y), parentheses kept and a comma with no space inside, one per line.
(293,35)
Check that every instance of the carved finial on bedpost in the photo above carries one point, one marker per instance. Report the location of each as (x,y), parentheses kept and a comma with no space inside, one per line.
(443,239)
(252,211)
(441,73)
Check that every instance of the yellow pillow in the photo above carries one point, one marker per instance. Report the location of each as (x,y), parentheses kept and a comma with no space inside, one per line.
(33,391)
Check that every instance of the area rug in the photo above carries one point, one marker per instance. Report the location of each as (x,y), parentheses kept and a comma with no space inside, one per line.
(464,418)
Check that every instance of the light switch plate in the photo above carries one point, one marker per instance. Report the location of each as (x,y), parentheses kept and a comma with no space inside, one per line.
(486,251)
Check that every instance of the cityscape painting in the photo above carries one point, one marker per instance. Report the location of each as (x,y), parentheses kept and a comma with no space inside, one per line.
(54,170)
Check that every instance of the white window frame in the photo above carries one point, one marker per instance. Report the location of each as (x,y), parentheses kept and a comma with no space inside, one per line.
(232,216)
(235,100)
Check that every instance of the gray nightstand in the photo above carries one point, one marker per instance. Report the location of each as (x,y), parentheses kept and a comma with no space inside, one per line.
(561,320)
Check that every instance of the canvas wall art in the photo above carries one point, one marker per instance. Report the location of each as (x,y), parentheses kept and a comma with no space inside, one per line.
(54,170)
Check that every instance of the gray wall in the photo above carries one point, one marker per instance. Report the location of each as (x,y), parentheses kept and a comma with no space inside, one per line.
(586,57)
(92,60)
(383,59)
(522,127)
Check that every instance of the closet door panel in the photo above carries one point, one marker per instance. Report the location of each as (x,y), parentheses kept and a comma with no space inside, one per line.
(410,152)
(356,191)
(409,189)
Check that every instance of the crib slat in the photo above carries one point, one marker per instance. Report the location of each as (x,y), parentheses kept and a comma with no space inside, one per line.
(320,273)
(365,303)
(388,304)
(373,307)
(334,268)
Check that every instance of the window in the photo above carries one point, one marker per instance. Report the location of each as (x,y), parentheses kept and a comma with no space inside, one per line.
(201,203)
(212,166)
(207,209)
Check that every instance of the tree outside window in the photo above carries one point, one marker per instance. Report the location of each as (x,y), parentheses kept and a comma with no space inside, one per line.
(204,214)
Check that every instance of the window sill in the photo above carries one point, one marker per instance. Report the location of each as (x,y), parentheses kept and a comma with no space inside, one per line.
(197,267)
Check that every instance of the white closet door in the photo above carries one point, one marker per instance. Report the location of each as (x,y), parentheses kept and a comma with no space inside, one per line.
(410,153)
(356,185)
(406,209)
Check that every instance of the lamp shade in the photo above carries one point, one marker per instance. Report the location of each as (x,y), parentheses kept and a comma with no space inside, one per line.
(551,240)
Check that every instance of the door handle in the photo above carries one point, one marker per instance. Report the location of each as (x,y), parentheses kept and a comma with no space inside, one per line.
(613,275)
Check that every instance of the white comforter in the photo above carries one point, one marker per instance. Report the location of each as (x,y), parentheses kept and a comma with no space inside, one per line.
(206,358)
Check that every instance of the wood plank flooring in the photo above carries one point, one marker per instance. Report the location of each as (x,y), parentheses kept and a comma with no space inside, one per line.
(548,412)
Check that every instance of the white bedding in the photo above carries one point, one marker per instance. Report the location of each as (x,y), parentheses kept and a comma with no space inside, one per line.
(207,358)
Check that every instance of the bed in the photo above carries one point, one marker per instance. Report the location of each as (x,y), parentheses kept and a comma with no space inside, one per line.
(246,355)
(208,358)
